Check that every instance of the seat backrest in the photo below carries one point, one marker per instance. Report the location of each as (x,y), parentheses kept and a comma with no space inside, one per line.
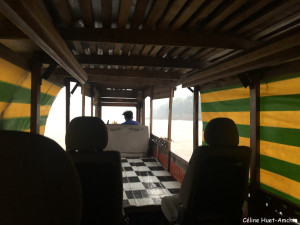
(215,183)
(38,182)
(100,172)
(101,179)
(86,134)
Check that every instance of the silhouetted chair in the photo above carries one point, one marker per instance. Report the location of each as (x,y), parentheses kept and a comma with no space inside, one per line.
(215,183)
(38,182)
(100,172)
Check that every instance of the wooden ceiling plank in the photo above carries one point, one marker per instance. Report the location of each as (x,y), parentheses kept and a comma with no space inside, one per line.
(283,49)
(105,47)
(62,13)
(286,5)
(283,30)
(29,17)
(218,53)
(163,51)
(155,50)
(148,61)
(124,13)
(78,47)
(229,55)
(179,39)
(139,13)
(93,48)
(203,53)
(177,52)
(117,48)
(86,10)
(189,53)
(146,50)
(174,9)
(204,13)
(240,17)
(126,49)
(106,13)
(286,55)
(137,49)
(155,14)
(125,73)
(235,5)
(188,11)
(285,18)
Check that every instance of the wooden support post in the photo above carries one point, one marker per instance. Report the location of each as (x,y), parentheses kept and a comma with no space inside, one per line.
(151,111)
(35,99)
(92,98)
(143,115)
(68,95)
(83,99)
(100,111)
(138,113)
(196,118)
(255,136)
(253,202)
(170,126)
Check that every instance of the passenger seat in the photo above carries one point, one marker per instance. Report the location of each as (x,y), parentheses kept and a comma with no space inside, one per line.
(38,182)
(100,172)
(215,183)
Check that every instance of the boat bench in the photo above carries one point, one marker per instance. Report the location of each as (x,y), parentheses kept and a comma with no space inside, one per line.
(129,140)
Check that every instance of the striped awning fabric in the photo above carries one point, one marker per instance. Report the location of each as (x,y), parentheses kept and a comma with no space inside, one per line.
(15,85)
(280,137)
(232,102)
(279,129)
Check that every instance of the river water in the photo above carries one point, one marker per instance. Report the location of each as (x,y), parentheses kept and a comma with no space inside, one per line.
(182,135)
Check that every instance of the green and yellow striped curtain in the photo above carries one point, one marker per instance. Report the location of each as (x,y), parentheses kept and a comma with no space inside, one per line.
(232,102)
(15,84)
(280,137)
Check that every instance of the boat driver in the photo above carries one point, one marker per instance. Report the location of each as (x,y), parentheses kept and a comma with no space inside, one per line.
(128,115)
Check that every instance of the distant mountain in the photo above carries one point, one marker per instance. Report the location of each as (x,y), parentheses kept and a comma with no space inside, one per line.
(182,109)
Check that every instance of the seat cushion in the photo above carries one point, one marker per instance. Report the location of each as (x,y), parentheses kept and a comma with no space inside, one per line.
(169,207)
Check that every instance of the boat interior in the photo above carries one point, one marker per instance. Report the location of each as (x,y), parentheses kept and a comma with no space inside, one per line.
(239,58)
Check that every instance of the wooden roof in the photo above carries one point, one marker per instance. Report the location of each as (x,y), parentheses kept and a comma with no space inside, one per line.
(144,44)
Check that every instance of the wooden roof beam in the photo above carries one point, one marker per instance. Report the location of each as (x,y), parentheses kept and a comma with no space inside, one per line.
(129,81)
(118,85)
(144,37)
(286,49)
(97,72)
(116,100)
(119,104)
(117,94)
(30,17)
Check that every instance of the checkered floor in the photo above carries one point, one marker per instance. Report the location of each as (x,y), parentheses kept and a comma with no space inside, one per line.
(145,182)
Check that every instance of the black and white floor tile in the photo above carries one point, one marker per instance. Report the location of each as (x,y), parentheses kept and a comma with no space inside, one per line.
(145,182)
